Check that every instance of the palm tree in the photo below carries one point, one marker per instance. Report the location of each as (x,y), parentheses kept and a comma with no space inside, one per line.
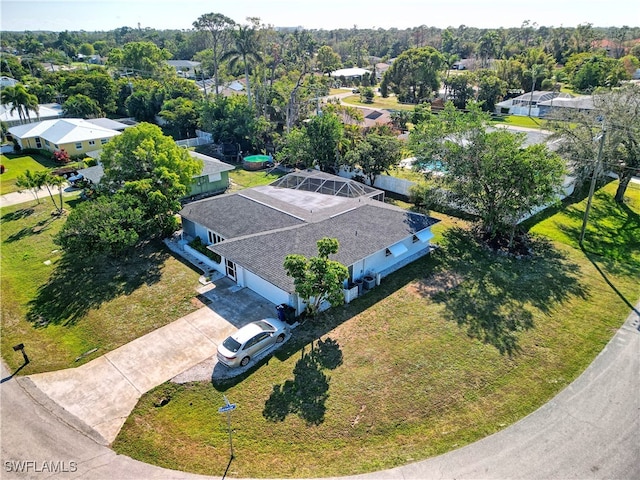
(20,100)
(31,181)
(245,39)
(535,71)
(218,26)
(51,180)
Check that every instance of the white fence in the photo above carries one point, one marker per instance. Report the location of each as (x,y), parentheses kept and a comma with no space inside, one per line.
(203,138)
(383,182)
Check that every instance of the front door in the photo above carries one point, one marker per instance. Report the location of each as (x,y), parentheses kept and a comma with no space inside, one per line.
(231,269)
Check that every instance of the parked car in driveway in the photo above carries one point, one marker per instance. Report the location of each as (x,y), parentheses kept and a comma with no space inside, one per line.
(251,340)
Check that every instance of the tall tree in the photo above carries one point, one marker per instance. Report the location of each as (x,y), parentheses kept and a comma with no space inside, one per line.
(144,163)
(246,49)
(20,100)
(81,106)
(144,59)
(618,113)
(318,279)
(379,151)
(414,75)
(489,173)
(327,59)
(218,27)
(325,133)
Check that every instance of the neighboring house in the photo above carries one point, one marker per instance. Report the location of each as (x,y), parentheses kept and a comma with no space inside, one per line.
(46,111)
(118,125)
(255,229)
(520,105)
(185,68)
(381,69)
(73,135)
(578,104)
(213,179)
(92,59)
(349,73)
(371,117)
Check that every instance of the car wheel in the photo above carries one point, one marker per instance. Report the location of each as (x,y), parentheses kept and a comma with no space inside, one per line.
(280,338)
(244,361)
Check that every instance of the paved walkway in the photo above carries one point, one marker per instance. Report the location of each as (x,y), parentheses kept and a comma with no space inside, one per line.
(103,392)
(15,198)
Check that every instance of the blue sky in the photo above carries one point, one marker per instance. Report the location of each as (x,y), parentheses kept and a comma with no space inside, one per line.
(91,15)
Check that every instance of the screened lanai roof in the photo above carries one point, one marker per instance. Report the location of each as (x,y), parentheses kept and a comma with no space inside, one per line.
(320,182)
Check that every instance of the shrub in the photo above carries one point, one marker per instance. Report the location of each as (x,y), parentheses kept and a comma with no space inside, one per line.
(197,245)
(61,157)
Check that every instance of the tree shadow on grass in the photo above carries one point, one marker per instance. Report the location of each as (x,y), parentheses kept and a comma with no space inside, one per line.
(36,229)
(494,296)
(306,394)
(613,233)
(80,284)
(17,214)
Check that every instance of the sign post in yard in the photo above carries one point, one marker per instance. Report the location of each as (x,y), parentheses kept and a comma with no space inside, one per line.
(228,408)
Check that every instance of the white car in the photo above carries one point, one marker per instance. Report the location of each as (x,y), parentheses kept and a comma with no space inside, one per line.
(251,340)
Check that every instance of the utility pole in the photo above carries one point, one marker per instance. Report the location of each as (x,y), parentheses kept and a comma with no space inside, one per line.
(592,188)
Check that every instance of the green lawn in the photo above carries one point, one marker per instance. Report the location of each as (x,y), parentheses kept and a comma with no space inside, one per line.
(16,165)
(520,121)
(241,178)
(448,350)
(389,103)
(61,307)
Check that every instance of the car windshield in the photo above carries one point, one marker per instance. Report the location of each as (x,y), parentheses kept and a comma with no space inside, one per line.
(265,326)
(231,344)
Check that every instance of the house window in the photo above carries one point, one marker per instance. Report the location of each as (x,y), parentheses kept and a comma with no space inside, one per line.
(38,142)
(78,145)
(103,141)
(92,142)
(214,238)
(56,147)
(46,142)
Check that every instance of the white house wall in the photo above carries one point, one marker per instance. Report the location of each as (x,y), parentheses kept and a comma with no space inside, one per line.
(379,261)
(272,293)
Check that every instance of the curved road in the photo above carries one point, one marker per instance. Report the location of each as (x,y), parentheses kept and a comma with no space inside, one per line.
(589,430)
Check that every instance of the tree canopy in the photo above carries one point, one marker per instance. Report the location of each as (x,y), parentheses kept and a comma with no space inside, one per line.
(488,173)
(318,279)
(617,113)
(414,75)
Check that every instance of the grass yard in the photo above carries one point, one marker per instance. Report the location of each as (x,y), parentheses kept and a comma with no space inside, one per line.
(389,103)
(450,349)
(61,307)
(15,166)
(520,121)
(241,178)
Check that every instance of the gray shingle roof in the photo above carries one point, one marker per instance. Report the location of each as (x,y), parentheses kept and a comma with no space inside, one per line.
(234,215)
(361,232)
(262,225)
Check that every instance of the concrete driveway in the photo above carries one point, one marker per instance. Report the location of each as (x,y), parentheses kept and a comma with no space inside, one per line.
(103,392)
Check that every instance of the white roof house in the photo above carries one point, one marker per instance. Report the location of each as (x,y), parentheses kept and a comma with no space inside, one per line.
(527,103)
(74,135)
(45,111)
(349,72)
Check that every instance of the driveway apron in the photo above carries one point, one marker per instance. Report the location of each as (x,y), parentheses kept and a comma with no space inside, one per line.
(103,392)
